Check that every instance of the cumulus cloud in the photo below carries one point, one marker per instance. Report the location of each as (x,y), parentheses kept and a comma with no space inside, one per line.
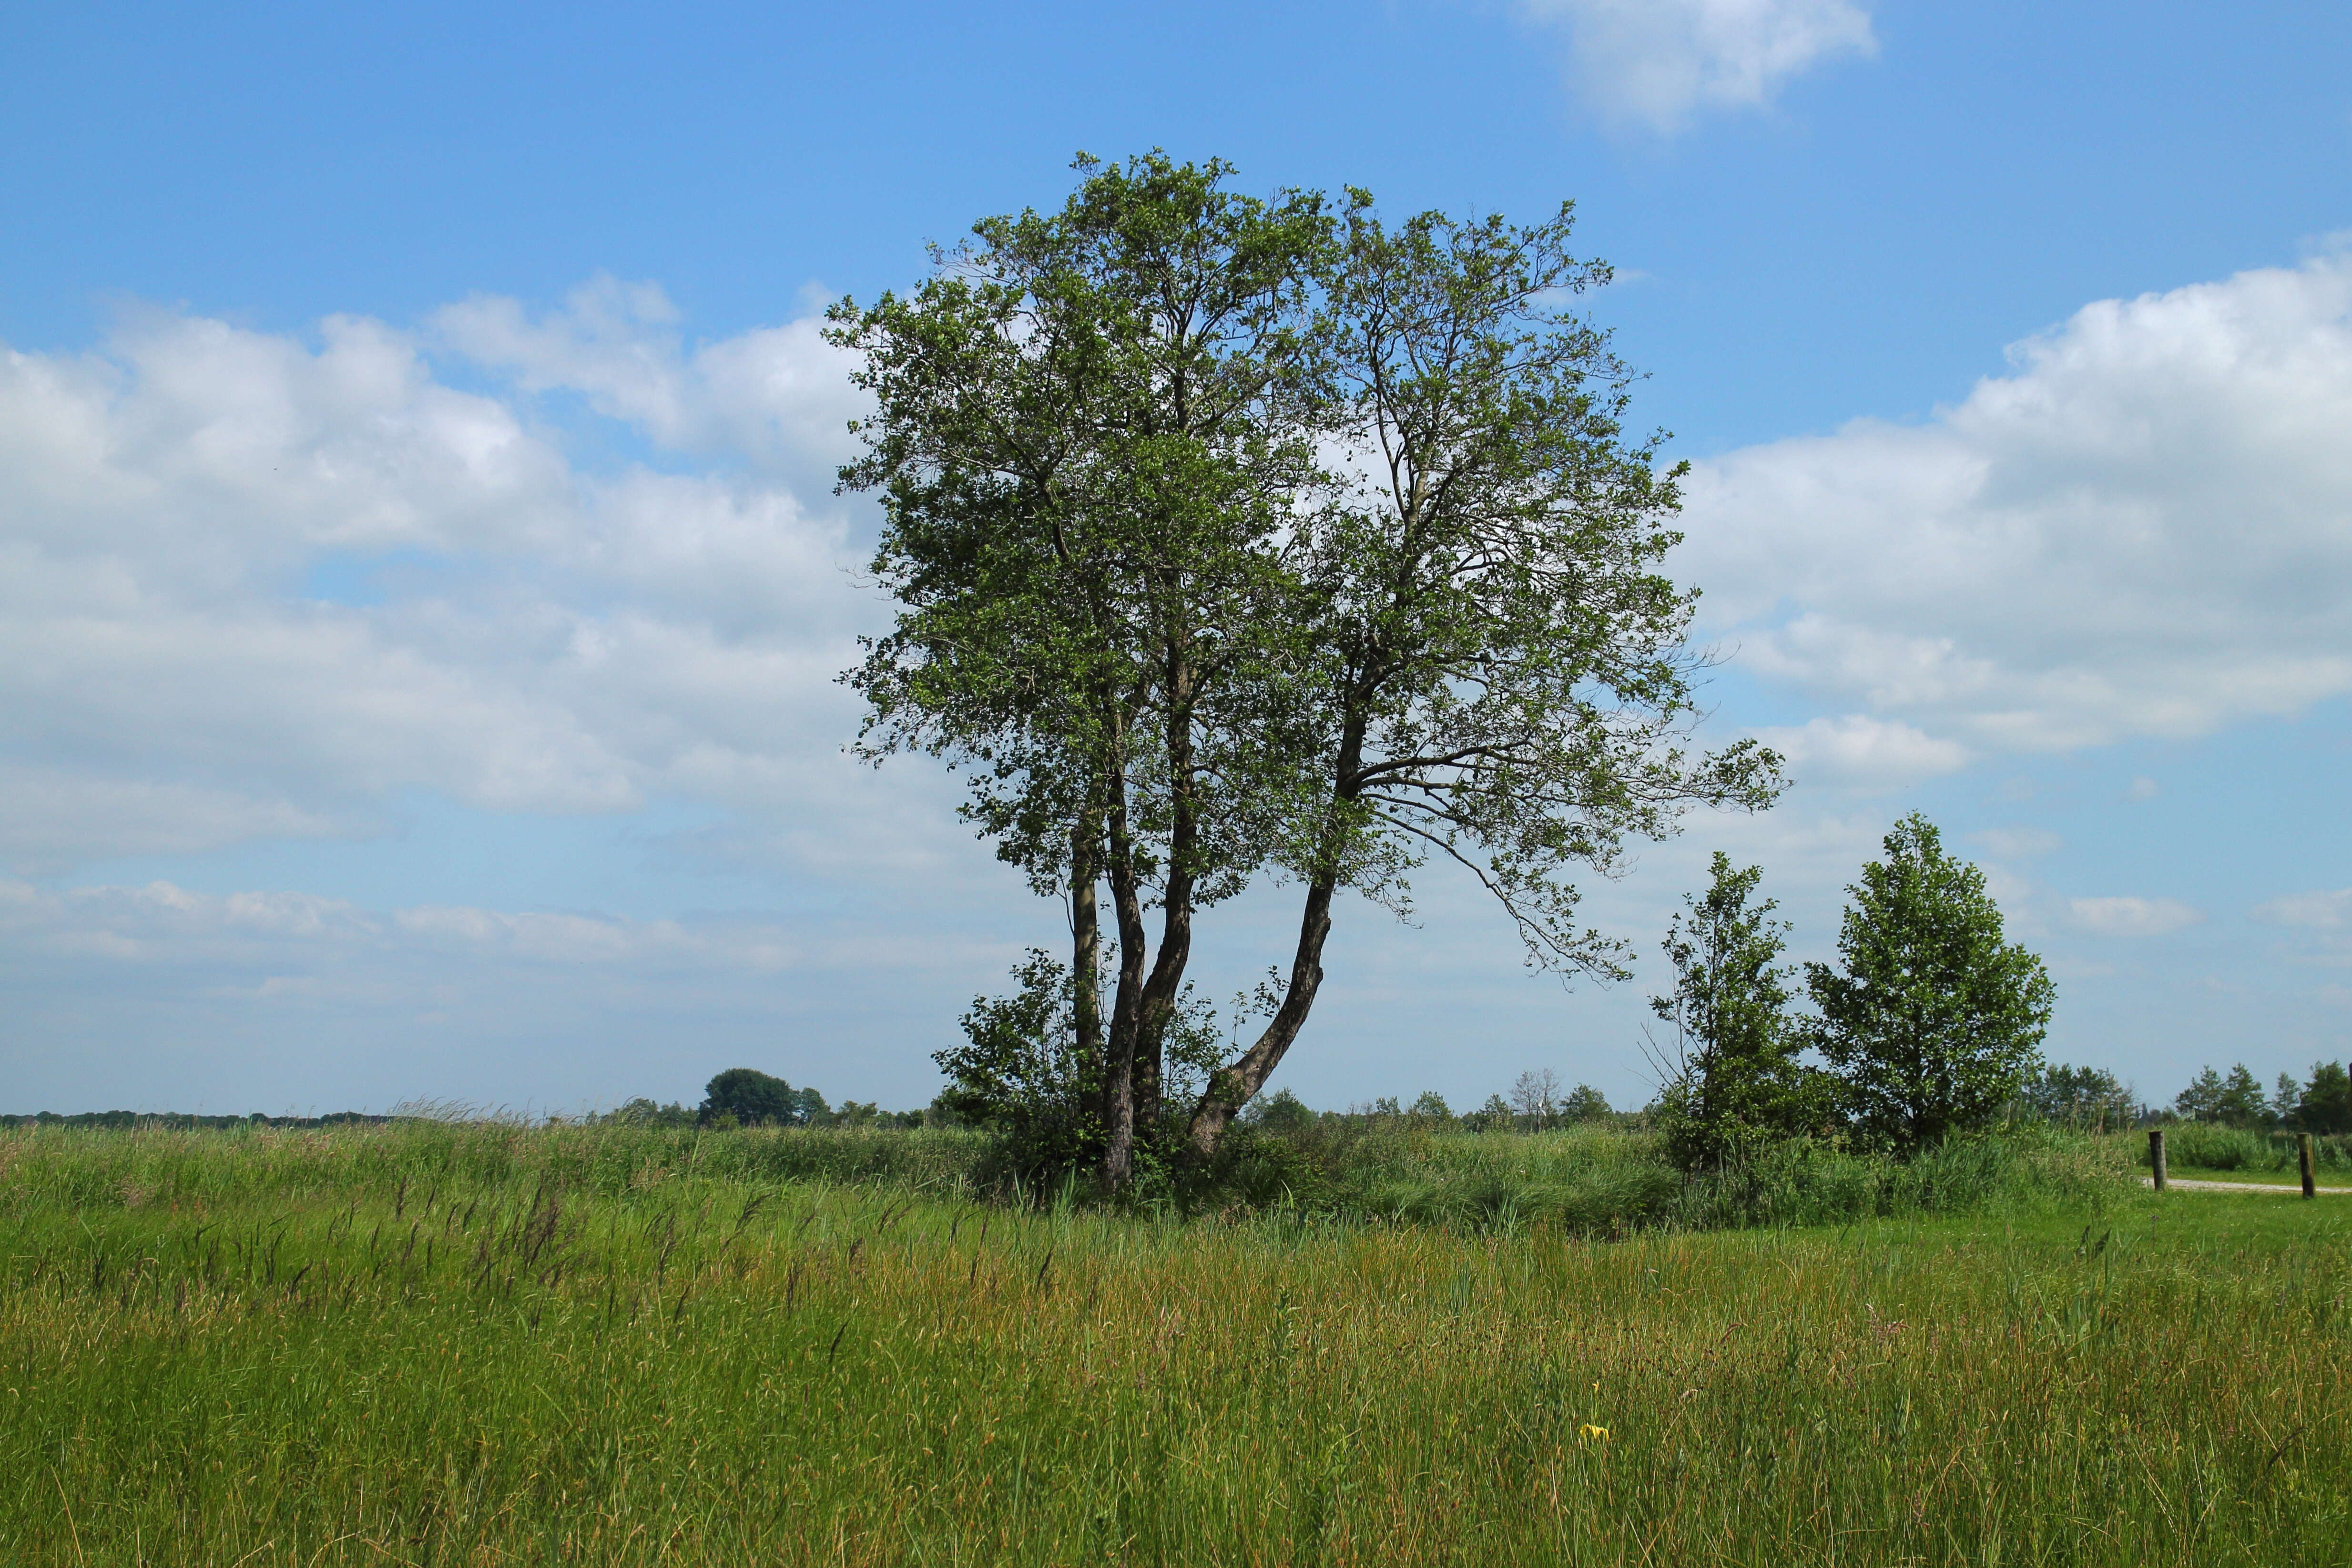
(251,584)
(2144,530)
(2131,917)
(2328,910)
(1657,62)
(1855,751)
(2020,843)
(161,924)
(780,396)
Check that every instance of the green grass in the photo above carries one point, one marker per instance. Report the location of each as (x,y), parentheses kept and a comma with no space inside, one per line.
(458,1345)
(2242,1154)
(2285,1181)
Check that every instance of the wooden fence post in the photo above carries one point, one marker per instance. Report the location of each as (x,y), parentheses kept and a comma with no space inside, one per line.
(2156,1155)
(2303,1158)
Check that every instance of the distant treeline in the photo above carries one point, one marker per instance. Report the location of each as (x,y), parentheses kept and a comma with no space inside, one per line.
(181,1121)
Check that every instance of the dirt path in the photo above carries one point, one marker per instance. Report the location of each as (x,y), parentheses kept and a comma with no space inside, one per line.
(2172,1182)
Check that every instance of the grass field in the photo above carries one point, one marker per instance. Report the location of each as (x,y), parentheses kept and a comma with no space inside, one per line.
(479,1345)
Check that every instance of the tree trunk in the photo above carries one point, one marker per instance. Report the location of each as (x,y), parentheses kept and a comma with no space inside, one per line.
(1232,1086)
(1118,1065)
(1086,940)
(1160,992)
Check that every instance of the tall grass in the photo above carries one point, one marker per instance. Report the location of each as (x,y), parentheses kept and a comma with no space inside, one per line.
(1597,1181)
(2207,1146)
(492,1345)
(148,1165)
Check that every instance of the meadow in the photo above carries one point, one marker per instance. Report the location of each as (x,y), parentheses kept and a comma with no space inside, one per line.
(478,1344)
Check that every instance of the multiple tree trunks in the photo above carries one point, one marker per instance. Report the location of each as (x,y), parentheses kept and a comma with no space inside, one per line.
(1236,539)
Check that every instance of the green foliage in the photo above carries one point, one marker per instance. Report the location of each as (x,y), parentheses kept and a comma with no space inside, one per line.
(1585,1103)
(2325,1105)
(1494,1116)
(1735,1083)
(1281,1111)
(2077,1097)
(644,1112)
(2211,1146)
(1933,1020)
(746,1096)
(1019,1075)
(1153,607)
(183,1121)
(2236,1100)
(2321,1104)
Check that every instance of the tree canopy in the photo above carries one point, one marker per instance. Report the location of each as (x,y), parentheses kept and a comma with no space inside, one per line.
(1933,1019)
(1734,1081)
(755,1098)
(1237,538)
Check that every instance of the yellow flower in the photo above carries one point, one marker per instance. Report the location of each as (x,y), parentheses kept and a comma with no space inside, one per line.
(1588,1430)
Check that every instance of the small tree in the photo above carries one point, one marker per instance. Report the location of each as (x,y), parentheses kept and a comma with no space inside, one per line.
(751,1097)
(2286,1098)
(2201,1100)
(1021,1073)
(1934,1020)
(1585,1103)
(1734,1080)
(1281,1111)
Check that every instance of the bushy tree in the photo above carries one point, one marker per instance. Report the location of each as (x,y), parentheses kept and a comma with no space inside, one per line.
(1281,1111)
(1734,1081)
(1932,1019)
(2324,1104)
(751,1098)
(1494,1116)
(1022,1073)
(1585,1103)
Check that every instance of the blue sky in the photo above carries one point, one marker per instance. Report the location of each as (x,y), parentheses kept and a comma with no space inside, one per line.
(420,584)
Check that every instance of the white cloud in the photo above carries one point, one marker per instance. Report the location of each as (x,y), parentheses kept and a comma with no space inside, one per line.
(2146,529)
(494,623)
(2328,910)
(2131,917)
(1657,62)
(778,395)
(163,925)
(2020,843)
(1855,751)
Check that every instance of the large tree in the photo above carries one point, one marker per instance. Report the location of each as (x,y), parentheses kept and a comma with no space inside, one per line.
(1933,1019)
(1090,426)
(1234,537)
